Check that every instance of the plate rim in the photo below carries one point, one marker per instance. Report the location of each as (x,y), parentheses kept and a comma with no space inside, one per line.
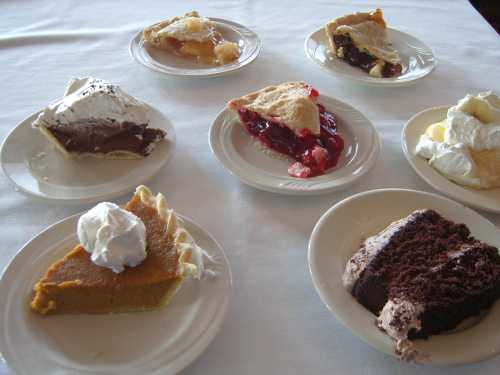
(356,331)
(183,359)
(367,166)
(374,81)
(92,199)
(451,193)
(202,73)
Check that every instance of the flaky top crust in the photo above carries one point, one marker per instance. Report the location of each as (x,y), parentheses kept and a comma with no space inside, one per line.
(355,18)
(290,103)
(370,36)
(150,33)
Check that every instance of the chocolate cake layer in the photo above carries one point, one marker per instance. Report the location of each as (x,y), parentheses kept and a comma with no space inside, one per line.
(106,135)
(434,263)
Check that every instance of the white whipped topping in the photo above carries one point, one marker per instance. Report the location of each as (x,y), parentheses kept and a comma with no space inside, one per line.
(453,161)
(114,237)
(397,318)
(189,28)
(92,98)
(472,125)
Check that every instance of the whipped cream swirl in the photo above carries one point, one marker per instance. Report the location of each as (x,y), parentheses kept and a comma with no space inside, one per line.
(93,98)
(114,237)
(471,128)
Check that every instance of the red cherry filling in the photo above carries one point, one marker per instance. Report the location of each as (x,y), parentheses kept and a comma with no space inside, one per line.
(314,153)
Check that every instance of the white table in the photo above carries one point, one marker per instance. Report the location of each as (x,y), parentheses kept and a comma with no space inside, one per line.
(277,323)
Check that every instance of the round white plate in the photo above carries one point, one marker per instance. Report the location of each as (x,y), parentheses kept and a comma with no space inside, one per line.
(488,200)
(236,151)
(168,63)
(337,236)
(35,167)
(417,59)
(157,342)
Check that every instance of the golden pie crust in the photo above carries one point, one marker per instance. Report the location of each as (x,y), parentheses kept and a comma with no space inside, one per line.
(367,31)
(290,103)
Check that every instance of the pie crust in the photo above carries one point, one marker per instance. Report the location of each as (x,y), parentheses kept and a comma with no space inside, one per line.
(366,32)
(290,103)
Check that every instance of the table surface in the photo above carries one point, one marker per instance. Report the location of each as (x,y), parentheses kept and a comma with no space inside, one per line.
(276,322)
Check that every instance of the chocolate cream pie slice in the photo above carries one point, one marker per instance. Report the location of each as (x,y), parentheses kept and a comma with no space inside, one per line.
(112,274)
(96,118)
(287,121)
(360,39)
(193,37)
(423,275)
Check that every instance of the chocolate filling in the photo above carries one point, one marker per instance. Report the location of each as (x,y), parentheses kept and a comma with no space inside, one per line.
(363,60)
(106,135)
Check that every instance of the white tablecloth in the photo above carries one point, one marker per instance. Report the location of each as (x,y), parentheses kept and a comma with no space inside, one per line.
(276,323)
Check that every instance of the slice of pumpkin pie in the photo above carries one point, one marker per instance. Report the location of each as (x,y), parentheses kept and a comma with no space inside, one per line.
(133,260)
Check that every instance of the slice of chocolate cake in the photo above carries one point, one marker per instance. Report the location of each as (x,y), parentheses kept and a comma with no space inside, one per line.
(423,275)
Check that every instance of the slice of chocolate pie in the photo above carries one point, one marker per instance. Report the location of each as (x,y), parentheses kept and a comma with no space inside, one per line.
(288,121)
(360,39)
(96,118)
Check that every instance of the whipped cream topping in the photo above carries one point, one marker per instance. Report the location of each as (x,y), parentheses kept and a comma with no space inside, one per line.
(93,98)
(189,28)
(453,161)
(472,126)
(114,237)
(397,318)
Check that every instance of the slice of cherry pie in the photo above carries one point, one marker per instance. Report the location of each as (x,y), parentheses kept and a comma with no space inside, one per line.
(287,120)
(360,39)
(193,37)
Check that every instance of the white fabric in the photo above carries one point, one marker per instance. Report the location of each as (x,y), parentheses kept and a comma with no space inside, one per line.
(277,323)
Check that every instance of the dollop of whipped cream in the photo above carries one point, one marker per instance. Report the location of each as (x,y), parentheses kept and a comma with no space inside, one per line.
(189,28)
(93,98)
(465,147)
(114,237)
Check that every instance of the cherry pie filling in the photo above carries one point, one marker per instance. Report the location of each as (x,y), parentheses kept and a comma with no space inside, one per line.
(314,154)
(361,59)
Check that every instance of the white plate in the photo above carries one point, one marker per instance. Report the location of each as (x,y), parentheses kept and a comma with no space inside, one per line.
(36,168)
(168,63)
(337,236)
(417,59)
(158,342)
(488,200)
(235,149)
